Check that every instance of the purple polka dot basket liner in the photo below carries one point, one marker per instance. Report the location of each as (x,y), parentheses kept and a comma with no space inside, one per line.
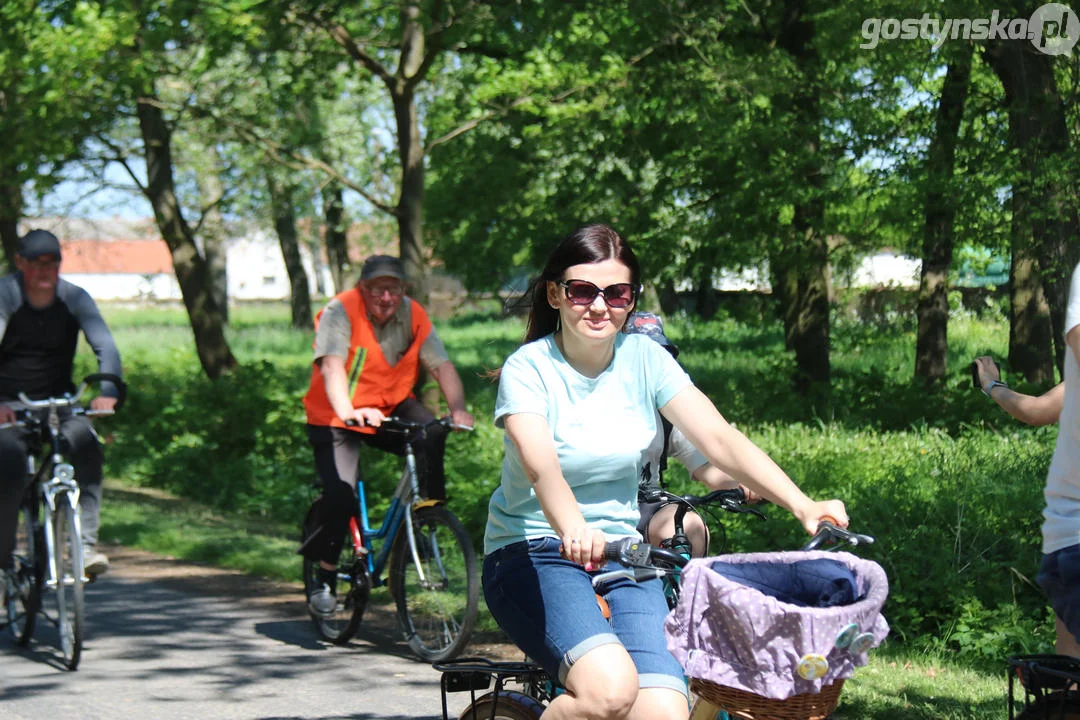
(740,634)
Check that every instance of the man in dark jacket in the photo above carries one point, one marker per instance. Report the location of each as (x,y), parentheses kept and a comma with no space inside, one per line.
(40,320)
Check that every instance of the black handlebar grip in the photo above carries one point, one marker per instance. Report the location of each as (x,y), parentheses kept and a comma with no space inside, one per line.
(612,550)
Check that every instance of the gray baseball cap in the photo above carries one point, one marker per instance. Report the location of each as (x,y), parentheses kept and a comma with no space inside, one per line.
(382,266)
(37,243)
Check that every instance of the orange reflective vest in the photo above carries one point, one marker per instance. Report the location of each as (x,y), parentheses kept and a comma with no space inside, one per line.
(373,382)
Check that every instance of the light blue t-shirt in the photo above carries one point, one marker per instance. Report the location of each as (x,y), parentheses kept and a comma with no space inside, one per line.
(602,428)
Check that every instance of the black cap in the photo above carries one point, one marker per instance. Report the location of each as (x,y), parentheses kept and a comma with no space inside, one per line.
(37,243)
(645,323)
(382,266)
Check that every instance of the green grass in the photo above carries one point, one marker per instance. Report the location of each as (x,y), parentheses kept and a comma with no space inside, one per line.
(161,523)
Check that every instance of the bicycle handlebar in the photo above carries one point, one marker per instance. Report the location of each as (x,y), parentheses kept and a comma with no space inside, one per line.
(72,400)
(399,424)
(829,532)
(639,560)
(730,499)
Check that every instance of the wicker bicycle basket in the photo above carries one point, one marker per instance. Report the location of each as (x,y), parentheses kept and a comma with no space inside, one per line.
(749,706)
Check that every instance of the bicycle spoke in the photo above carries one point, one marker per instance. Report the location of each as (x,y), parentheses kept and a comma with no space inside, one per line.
(22,594)
(437,589)
(352,587)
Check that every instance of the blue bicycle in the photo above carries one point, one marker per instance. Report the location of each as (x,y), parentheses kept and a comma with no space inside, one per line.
(427,554)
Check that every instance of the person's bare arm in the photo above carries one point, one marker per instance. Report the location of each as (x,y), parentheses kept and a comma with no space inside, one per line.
(1036,410)
(716,479)
(446,375)
(731,451)
(531,436)
(336,382)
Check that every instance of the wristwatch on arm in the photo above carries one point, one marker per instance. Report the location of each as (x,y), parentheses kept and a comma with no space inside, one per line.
(993,384)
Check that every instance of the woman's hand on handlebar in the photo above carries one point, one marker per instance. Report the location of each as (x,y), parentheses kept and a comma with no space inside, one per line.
(832,510)
(584,546)
(7,415)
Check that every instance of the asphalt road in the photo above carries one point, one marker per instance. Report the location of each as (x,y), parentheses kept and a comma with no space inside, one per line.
(170,641)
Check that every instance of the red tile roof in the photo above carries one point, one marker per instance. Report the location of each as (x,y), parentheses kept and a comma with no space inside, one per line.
(138,257)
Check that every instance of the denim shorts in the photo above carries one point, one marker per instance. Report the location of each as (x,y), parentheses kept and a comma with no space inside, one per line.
(547,605)
(1059,576)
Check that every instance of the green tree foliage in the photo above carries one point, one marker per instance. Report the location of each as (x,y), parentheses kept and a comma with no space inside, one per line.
(56,60)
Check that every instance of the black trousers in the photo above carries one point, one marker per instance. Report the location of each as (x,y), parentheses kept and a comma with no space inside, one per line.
(82,449)
(337,463)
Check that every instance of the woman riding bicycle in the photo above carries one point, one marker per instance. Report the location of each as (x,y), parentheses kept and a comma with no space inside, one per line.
(578,402)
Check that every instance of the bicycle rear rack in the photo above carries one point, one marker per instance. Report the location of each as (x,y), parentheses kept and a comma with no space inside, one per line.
(475,674)
(1051,682)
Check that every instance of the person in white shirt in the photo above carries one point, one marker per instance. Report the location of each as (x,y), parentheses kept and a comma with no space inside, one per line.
(1061,518)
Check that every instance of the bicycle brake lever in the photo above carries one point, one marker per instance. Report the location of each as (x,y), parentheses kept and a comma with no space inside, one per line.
(753,511)
(603,577)
(637,574)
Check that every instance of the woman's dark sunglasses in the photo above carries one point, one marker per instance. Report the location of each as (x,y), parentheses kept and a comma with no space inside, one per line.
(583,292)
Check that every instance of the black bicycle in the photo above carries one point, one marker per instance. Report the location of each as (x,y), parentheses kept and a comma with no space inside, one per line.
(48,553)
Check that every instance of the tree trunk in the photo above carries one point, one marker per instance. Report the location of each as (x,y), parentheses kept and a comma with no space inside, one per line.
(1030,331)
(1044,212)
(803,272)
(705,305)
(207,322)
(281,201)
(410,207)
(801,283)
(11,207)
(667,297)
(336,238)
(212,232)
(932,343)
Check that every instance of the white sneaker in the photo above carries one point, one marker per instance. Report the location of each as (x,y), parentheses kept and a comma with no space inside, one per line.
(322,602)
(94,563)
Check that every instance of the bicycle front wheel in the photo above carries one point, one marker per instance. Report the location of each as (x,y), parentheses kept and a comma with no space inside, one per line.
(24,596)
(506,705)
(705,710)
(351,590)
(438,591)
(69,582)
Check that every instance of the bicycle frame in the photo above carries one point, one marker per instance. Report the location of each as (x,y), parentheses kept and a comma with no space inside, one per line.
(363,534)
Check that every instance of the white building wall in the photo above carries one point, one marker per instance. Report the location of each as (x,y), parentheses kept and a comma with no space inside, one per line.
(127,286)
(257,270)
